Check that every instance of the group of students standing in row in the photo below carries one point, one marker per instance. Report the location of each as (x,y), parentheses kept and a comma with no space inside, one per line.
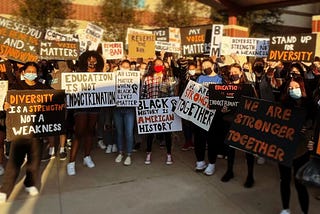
(291,84)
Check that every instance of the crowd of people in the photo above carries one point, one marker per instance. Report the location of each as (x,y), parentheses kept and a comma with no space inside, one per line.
(288,83)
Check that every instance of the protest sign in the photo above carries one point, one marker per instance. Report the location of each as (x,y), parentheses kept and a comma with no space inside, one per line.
(136,31)
(196,40)
(112,50)
(161,35)
(194,105)
(141,45)
(162,41)
(18,41)
(127,88)
(90,37)
(289,48)
(35,113)
(157,116)
(89,89)
(216,39)
(256,47)
(59,50)
(56,36)
(227,96)
(3,92)
(266,129)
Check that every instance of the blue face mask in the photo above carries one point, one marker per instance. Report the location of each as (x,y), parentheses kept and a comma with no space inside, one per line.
(295,93)
(30,76)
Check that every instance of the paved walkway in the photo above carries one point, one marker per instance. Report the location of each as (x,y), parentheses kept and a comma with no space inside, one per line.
(117,189)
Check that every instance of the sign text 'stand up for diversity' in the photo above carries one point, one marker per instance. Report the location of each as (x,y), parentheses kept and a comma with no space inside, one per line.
(266,129)
(35,113)
(157,116)
(194,105)
(127,88)
(88,90)
(291,48)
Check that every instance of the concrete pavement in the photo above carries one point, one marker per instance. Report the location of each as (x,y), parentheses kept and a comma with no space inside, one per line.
(157,188)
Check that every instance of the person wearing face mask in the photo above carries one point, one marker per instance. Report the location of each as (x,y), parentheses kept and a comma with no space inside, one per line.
(294,95)
(250,75)
(153,87)
(31,147)
(236,76)
(124,119)
(187,126)
(203,138)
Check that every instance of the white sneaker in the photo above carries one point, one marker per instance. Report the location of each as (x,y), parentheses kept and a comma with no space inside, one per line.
(33,191)
(119,158)
(3,197)
(51,151)
(71,168)
(114,148)
(87,161)
(127,161)
(101,144)
(169,160)
(1,170)
(210,169)
(200,165)
(287,211)
(261,160)
(148,159)
(109,149)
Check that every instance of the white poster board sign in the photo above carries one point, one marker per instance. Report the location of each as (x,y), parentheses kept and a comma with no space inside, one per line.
(3,92)
(89,90)
(127,88)
(157,116)
(112,50)
(194,105)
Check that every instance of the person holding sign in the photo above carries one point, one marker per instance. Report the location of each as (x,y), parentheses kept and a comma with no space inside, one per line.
(154,87)
(30,147)
(85,118)
(236,76)
(190,74)
(294,94)
(124,118)
(201,136)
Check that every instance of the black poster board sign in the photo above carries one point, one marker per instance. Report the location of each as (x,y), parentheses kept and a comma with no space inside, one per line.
(35,113)
(266,129)
(227,96)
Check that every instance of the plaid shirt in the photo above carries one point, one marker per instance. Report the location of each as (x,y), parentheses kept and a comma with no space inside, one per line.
(151,87)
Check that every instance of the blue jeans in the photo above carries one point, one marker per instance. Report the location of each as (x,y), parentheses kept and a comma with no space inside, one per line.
(124,119)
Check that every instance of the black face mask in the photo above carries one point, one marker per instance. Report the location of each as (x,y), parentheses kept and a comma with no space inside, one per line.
(258,69)
(207,71)
(234,77)
(245,70)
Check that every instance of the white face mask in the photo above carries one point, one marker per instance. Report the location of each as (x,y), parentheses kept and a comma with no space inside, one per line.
(192,72)
(295,93)
(30,76)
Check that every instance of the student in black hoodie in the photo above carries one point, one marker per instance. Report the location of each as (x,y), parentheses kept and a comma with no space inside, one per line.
(23,147)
